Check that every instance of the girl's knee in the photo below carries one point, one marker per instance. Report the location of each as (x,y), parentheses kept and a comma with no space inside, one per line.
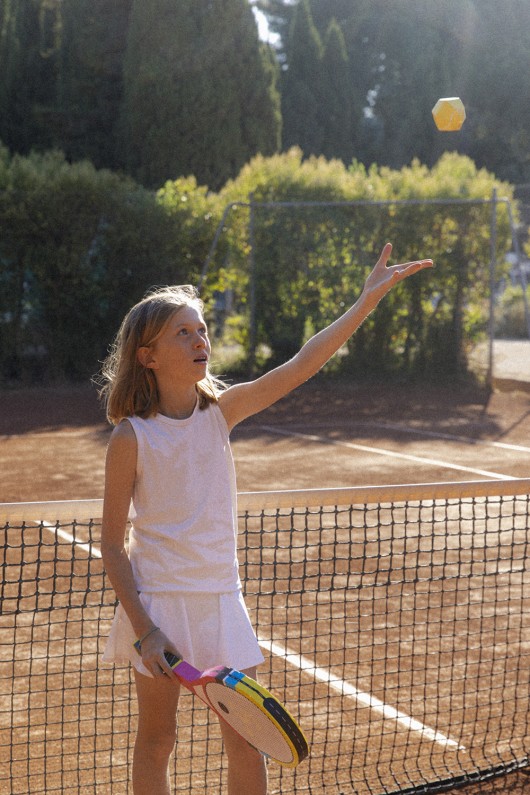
(158,733)
(157,741)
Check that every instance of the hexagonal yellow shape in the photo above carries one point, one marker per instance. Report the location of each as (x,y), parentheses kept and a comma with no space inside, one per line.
(449,114)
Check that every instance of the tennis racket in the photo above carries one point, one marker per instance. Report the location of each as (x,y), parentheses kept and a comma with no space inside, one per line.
(254,713)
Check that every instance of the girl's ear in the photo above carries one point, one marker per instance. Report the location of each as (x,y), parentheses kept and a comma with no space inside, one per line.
(145,357)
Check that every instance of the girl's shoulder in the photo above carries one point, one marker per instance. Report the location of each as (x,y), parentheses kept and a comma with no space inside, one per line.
(123,432)
(122,448)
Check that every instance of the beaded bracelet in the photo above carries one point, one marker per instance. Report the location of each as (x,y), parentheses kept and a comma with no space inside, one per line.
(150,632)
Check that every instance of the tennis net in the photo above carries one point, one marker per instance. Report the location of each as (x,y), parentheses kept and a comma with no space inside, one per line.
(395,623)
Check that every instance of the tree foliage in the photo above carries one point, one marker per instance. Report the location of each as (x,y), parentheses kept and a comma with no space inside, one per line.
(300,99)
(404,56)
(169,88)
(200,94)
(161,88)
(61,82)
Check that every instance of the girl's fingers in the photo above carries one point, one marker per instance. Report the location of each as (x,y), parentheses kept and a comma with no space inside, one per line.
(383,278)
(166,668)
(154,655)
(385,254)
(408,268)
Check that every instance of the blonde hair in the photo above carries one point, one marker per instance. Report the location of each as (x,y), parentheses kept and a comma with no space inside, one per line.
(127,387)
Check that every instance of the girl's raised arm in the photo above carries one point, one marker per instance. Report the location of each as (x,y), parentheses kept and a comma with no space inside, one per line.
(243,400)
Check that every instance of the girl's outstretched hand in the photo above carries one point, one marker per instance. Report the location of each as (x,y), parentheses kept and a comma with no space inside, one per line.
(383,278)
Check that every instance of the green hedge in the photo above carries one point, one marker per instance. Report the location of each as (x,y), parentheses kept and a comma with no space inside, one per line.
(311,262)
(78,246)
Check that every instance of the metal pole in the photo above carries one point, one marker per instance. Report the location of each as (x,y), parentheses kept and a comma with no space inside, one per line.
(215,241)
(520,269)
(493,261)
(252,288)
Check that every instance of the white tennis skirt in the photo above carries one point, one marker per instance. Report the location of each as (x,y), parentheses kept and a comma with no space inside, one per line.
(208,629)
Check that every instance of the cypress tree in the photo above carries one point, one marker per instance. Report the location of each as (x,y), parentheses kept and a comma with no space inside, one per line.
(336,106)
(199,94)
(61,63)
(301,85)
(496,89)
(90,90)
(407,79)
(30,37)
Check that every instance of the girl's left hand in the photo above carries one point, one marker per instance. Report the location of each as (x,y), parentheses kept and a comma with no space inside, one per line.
(383,278)
(152,651)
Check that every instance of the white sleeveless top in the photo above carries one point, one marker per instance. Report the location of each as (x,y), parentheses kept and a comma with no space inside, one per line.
(184,520)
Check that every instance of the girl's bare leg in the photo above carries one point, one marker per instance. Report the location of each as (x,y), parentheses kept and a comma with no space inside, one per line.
(247,770)
(157,732)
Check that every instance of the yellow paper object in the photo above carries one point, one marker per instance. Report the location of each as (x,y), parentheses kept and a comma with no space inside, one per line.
(449,114)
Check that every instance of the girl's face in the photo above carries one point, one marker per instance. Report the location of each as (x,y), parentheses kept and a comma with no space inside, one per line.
(183,348)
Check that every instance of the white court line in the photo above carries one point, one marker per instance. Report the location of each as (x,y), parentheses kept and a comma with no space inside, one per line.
(382,451)
(453,437)
(346,689)
(92,550)
(517,448)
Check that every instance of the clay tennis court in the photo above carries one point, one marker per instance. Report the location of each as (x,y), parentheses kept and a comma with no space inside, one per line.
(325,435)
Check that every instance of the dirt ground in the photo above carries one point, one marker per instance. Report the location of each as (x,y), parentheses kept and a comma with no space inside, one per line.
(326,434)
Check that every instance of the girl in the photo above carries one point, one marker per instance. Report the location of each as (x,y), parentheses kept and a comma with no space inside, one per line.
(178,586)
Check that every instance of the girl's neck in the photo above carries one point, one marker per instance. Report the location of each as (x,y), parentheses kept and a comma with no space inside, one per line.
(178,407)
